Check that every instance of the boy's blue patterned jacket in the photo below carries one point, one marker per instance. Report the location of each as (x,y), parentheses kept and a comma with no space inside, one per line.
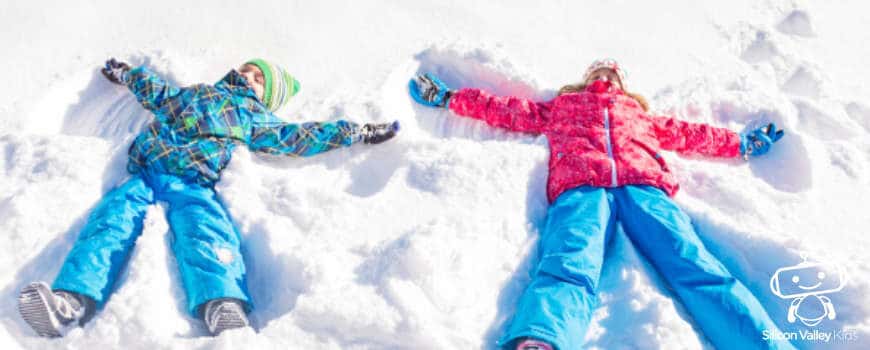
(197,127)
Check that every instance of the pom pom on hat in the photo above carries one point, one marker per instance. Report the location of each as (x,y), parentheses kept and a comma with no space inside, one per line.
(279,85)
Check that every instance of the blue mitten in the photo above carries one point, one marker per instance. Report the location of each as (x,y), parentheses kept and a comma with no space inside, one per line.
(758,141)
(428,90)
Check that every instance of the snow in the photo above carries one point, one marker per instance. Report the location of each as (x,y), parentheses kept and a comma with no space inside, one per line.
(425,242)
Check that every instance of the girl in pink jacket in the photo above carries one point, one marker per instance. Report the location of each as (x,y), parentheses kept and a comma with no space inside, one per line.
(604,167)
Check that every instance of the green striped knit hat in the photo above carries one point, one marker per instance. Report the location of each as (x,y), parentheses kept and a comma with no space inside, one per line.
(280,86)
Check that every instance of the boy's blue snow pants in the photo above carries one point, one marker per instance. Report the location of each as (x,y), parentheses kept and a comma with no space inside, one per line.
(558,303)
(205,242)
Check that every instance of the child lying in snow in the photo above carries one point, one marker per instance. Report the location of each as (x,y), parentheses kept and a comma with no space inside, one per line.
(605,166)
(178,159)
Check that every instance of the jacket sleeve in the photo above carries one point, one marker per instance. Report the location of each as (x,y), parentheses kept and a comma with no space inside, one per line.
(153,92)
(511,113)
(695,138)
(304,140)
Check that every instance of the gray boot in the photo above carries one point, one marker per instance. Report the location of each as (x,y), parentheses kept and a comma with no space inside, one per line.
(223,314)
(52,313)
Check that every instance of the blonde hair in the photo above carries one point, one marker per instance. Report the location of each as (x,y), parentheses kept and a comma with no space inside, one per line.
(582,86)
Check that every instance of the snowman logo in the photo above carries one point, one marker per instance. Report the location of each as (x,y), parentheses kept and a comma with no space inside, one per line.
(805,283)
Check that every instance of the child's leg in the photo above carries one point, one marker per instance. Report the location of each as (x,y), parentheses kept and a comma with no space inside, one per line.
(557,305)
(730,316)
(105,243)
(205,243)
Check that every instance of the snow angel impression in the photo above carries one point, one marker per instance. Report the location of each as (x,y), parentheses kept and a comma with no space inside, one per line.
(605,166)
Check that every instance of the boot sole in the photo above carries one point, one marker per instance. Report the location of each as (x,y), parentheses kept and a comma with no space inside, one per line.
(36,309)
(229,321)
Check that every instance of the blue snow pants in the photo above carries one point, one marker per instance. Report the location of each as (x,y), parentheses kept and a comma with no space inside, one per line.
(558,303)
(205,242)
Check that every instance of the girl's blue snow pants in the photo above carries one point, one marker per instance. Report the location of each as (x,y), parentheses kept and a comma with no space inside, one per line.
(204,240)
(558,303)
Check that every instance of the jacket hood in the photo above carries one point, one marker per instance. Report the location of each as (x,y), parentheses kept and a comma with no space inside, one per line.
(237,84)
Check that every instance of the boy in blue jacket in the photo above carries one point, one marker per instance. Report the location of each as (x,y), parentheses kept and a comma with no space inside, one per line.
(178,159)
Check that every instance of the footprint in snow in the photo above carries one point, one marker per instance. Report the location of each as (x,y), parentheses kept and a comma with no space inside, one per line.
(761,49)
(797,23)
(804,82)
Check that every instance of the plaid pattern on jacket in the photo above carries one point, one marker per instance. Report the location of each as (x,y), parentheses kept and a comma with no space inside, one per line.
(196,128)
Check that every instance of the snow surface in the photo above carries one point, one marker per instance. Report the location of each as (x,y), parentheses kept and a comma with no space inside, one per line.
(425,242)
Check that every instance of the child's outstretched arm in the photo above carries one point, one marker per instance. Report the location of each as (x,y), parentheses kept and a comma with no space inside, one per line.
(702,139)
(695,138)
(511,113)
(153,92)
(308,139)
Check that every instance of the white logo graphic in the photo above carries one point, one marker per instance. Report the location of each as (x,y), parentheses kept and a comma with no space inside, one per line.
(805,283)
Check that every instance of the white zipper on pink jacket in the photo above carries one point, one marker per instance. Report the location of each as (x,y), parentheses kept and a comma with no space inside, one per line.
(613,181)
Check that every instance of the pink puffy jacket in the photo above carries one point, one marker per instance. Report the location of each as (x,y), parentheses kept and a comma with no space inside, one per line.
(599,137)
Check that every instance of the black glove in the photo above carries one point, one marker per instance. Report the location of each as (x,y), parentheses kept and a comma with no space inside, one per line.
(116,72)
(377,133)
